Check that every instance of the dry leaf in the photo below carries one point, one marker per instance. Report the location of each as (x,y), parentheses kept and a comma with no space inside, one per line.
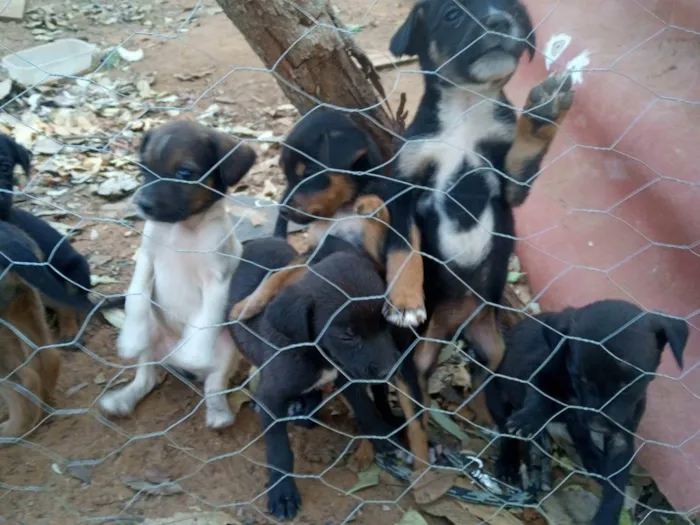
(366,479)
(5,87)
(103,279)
(237,399)
(460,376)
(447,423)
(80,473)
(154,489)
(114,316)
(451,510)
(130,56)
(433,485)
(412,517)
(491,515)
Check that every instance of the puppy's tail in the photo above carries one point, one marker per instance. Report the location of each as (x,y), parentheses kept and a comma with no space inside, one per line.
(19,256)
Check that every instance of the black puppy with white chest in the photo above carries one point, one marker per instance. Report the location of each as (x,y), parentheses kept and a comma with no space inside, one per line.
(589,369)
(474,158)
(336,306)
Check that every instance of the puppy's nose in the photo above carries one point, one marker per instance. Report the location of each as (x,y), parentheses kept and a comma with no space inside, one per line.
(499,23)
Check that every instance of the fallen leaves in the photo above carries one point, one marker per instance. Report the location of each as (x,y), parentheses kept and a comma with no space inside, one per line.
(412,517)
(153,483)
(366,479)
(433,485)
(444,421)
(130,56)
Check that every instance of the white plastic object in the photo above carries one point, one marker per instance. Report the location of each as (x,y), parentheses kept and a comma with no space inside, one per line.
(40,64)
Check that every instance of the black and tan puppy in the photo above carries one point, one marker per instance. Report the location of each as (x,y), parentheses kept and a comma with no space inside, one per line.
(588,368)
(326,327)
(477,158)
(329,162)
(67,266)
(176,302)
(24,280)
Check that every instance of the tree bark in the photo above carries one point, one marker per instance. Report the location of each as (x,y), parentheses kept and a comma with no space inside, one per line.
(314,59)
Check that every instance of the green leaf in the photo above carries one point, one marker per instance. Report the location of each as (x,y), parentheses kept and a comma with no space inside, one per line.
(514,277)
(412,517)
(447,423)
(625,518)
(366,479)
(355,28)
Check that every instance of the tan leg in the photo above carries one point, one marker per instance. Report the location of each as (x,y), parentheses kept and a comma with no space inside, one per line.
(263,295)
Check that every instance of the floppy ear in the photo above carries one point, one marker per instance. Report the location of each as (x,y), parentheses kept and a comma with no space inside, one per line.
(671,331)
(407,39)
(291,314)
(238,158)
(344,150)
(524,20)
(557,323)
(23,157)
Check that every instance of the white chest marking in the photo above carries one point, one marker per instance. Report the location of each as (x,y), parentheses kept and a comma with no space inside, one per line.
(466,119)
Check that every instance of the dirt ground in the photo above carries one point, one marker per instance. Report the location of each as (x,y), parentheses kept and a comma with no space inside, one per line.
(78,466)
(166,435)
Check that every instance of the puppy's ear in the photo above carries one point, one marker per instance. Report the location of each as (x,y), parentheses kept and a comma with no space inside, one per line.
(671,331)
(557,323)
(291,314)
(525,22)
(238,158)
(345,150)
(408,38)
(23,157)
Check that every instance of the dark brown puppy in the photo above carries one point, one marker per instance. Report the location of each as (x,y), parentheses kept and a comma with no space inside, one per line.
(588,368)
(66,265)
(23,281)
(327,327)
(475,157)
(327,238)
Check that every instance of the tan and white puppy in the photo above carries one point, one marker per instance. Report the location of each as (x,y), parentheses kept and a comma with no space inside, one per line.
(176,303)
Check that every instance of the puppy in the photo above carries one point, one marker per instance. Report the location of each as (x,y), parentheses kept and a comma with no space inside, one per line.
(588,368)
(324,328)
(470,160)
(67,266)
(23,282)
(368,221)
(176,302)
(329,162)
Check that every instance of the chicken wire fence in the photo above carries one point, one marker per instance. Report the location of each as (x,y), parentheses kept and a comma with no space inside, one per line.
(86,129)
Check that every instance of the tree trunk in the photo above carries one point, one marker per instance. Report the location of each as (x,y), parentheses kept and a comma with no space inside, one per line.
(314,59)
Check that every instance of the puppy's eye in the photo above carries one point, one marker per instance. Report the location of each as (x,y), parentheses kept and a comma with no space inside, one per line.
(183,173)
(452,15)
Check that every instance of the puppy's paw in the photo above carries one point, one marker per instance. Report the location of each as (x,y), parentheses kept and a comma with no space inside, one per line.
(404,317)
(118,403)
(244,310)
(371,205)
(523,424)
(548,102)
(284,500)
(220,418)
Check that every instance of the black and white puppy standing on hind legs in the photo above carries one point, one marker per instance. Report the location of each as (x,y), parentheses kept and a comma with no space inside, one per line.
(176,303)
(473,159)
